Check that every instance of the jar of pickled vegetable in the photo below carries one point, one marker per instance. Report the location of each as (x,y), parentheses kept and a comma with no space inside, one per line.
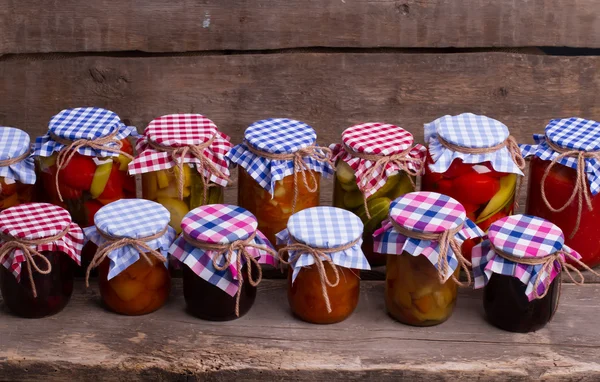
(323,245)
(375,164)
(133,237)
(280,169)
(518,266)
(177,156)
(422,237)
(17,172)
(82,164)
(560,189)
(473,159)
(221,251)
(39,248)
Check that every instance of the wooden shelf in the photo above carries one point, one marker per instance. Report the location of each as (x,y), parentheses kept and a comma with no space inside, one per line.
(85,342)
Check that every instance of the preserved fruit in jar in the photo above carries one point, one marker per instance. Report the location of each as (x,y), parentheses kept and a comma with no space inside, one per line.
(280,170)
(323,282)
(36,280)
(414,294)
(177,156)
(221,251)
(522,247)
(135,233)
(422,238)
(560,191)
(17,172)
(474,160)
(375,164)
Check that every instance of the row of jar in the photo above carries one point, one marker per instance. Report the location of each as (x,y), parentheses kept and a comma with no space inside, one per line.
(85,161)
(222,253)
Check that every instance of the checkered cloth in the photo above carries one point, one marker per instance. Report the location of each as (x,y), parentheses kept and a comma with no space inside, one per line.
(275,136)
(325,227)
(469,131)
(424,212)
(132,218)
(521,236)
(13,144)
(82,123)
(33,221)
(178,130)
(572,134)
(219,224)
(376,139)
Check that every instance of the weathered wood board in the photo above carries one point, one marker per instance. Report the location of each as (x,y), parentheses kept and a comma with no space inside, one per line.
(28,26)
(84,342)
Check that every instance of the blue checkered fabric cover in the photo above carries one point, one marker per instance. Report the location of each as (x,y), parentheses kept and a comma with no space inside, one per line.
(13,144)
(574,134)
(276,136)
(424,212)
(470,131)
(325,227)
(82,123)
(133,218)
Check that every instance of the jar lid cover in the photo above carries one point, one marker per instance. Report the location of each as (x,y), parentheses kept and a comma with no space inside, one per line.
(176,130)
(133,218)
(280,135)
(14,143)
(219,223)
(575,133)
(325,227)
(427,212)
(377,138)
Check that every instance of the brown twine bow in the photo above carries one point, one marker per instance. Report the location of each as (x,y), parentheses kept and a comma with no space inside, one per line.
(581,189)
(227,251)
(446,240)
(72,147)
(11,161)
(321,154)
(547,263)
(178,155)
(25,245)
(115,242)
(381,161)
(319,255)
(513,149)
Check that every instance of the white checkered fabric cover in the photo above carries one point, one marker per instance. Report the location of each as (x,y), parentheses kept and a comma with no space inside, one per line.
(13,144)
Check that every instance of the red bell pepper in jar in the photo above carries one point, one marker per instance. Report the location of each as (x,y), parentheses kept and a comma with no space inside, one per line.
(474,160)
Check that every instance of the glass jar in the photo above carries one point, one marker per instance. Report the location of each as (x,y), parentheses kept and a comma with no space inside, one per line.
(273,211)
(414,294)
(208,302)
(14,192)
(272,152)
(178,155)
(507,307)
(140,289)
(306,298)
(559,185)
(53,290)
(17,172)
(346,195)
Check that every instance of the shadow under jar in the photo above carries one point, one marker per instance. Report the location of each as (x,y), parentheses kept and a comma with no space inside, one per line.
(53,290)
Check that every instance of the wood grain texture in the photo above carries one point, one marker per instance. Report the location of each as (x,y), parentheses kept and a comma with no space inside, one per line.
(329,91)
(84,342)
(28,26)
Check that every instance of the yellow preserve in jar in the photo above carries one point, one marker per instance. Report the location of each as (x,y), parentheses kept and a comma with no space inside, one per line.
(182,161)
(375,164)
(422,238)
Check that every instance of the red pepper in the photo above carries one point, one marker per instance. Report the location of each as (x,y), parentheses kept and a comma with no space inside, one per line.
(127,148)
(79,173)
(114,187)
(470,209)
(458,168)
(128,182)
(475,188)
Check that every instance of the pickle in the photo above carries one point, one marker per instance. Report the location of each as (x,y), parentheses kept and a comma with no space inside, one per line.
(378,208)
(401,189)
(215,195)
(197,190)
(353,199)
(391,183)
(345,173)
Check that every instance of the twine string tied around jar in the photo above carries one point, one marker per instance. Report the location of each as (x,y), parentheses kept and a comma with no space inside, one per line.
(447,241)
(240,249)
(380,162)
(581,190)
(15,160)
(320,154)
(320,257)
(203,166)
(513,149)
(28,248)
(113,243)
(71,147)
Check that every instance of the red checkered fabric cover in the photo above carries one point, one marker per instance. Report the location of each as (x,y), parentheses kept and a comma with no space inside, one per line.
(376,138)
(179,130)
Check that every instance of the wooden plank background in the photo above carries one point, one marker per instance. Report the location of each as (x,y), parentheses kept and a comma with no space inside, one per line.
(28,26)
